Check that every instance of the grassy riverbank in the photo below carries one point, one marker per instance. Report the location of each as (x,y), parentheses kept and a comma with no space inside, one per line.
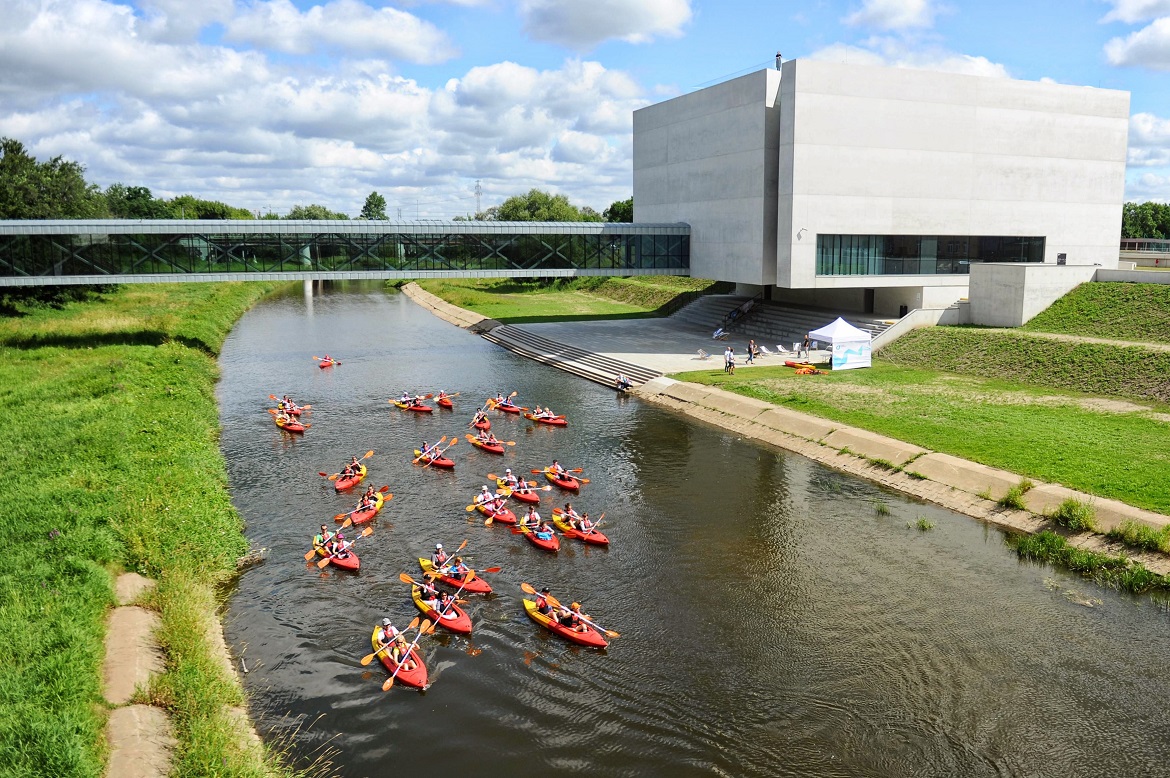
(1097,445)
(111,461)
(519,300)
(1139,312)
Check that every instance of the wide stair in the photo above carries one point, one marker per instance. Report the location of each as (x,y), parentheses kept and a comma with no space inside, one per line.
(770,322)
(571,359)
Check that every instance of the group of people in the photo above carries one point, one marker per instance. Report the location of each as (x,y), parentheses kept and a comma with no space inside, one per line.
(500,399)
(578,521)
(515,484)
(411,401)
(350,469)
(369,499)
(490,501)
(334,543)
(287,405)
(390,639)
(487,438)
(570,617)
(543,413)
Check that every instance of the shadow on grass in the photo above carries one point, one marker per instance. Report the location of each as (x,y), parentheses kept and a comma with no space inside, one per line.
(100,339)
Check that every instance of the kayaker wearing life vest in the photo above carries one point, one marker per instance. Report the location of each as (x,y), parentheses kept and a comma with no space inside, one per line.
(585,525)
(542,603)
(426,450)
(570,515)
(368,500)
(531,519)
(322,537)
(427,590)
(459,568)
(339,547)
(439,558)
(351,468)
(510,480)
(557,470)
(485,495)
(478,417)
(401,654)
(572,618)
(405,398)
(544,531)
(386,634)
(447,606)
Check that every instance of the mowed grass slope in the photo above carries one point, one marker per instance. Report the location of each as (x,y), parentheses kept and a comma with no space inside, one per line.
(110,459)
(1103,446)
(516,301)
(1138,312)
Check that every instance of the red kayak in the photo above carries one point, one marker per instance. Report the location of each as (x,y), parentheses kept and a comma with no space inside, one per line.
(416,678)
(350,562)
(361,517)
(323,363)
(591,637)
(415,408)
(456,619)
(341,484)
(508,408)
(529,497)
(556,421)
(503,515)
(475,586)
(568,482)
(445,402)
(497,448)
(484,425)
(593,536)
(551,543)
(440,461)
(290,426)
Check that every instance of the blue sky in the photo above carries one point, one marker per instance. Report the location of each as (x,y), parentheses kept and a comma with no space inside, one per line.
(270,103)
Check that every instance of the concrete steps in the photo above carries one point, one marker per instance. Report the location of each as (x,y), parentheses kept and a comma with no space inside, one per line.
(579,362)
(771,322)
(707,312)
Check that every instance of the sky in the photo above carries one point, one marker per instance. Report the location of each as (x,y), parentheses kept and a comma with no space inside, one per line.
(266,104)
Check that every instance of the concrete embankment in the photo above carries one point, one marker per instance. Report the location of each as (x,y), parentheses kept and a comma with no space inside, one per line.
(957,484)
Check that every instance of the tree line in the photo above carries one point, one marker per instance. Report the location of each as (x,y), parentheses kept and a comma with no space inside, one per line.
(57,189)
(1145,220)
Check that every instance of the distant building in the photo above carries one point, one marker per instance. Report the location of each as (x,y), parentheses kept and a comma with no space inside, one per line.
(875,189)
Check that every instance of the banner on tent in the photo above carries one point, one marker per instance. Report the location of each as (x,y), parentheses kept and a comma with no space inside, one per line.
(847,356)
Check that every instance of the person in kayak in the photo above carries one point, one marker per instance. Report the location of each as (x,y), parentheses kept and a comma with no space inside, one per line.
(371,494)
(427,590)
(585,525)
(572,618)
(386,634)
(459,568)
(446,607)
(430,597)
(557,470)
(351,468)
(510,480)
(570,514)
(426,449)
(542,605)
(441,395)
(283,417)
(368,500)
(478,417)
(405,398)
(339,547)
(401,654)
(439,558)
(323,537)
(544,531)
(327,359)
(531,519)
(485,495)
(417,401)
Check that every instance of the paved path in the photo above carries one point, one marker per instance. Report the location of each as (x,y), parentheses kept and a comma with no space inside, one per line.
(1084,339)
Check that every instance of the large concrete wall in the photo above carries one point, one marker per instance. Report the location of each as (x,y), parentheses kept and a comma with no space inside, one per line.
(885,151)
(1011,294)
(709,159)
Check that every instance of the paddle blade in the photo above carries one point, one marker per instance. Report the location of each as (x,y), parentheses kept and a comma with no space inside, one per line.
(389,683)
(322,473)
(334,477)
(369,453)
(367,532)
(584,480)
(528,588)
(272,411)
(271,397)
(347,524)
(610,633)
(406,579)
(470,508)
(536,472)
(493,477)
(368,658)
(321,565)
(488,521)
(340,516)
(491,570)
(309,555)
(509,442)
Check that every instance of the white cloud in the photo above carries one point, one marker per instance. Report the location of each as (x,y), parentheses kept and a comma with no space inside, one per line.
(1148,186)
(1149,141)
(182,20)
(888,52)
(1133,11)
(893,14)
(342,25)
(1149,47)
(583,24)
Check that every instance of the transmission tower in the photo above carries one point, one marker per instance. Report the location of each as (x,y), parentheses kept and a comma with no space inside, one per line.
(478,196)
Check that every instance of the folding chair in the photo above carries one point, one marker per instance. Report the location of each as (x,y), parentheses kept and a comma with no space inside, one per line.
(764,351)
(703,354)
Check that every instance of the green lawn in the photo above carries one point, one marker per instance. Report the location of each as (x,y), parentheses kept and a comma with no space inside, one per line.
(1139,312)
(516,301)
(110,460)
(1102,446)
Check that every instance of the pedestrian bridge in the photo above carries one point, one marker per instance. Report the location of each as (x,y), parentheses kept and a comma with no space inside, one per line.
(51,252)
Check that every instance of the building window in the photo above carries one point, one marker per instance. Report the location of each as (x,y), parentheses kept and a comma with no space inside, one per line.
(890,255)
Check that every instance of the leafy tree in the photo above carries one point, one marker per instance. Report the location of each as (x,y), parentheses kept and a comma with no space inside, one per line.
(314,212)
(44,190)
(375,207)
(1145,220)
(539,206)
(191,207)
(620,211)
(134,202)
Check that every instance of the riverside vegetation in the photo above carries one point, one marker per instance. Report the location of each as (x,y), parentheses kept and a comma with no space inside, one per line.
(519,300)
(111,461)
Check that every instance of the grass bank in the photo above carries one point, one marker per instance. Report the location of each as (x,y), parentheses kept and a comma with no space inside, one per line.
(1118,311)
(110,460)
(518,300)
(1092,444)
(1092,368)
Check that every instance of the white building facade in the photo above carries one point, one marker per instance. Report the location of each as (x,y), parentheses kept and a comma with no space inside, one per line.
(876,189)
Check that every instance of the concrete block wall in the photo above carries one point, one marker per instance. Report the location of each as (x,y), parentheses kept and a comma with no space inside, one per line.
(1009,294)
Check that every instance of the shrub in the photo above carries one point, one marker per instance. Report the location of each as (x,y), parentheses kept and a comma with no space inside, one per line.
(1075,515)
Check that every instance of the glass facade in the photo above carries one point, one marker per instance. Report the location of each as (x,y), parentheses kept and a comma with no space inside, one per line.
(887,255)
(32,249)
(1153,245)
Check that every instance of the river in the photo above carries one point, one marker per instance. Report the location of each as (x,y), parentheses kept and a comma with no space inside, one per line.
(776,619)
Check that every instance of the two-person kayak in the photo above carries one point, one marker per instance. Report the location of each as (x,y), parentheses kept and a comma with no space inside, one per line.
(551,543)
(362,516)
(555,421)
(416,407)
(289,425)
(348,482)
(590,536)
(455,620)
(591,637)
(435,461)
(476,585)
(566,481)
(416,678)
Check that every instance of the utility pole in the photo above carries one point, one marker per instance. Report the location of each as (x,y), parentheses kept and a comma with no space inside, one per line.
(478,195)
(400,213)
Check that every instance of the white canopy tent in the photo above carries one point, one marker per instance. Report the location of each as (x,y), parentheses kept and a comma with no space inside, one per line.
(851,346)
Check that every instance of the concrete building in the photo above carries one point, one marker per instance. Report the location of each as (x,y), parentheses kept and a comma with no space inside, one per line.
(878,189)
